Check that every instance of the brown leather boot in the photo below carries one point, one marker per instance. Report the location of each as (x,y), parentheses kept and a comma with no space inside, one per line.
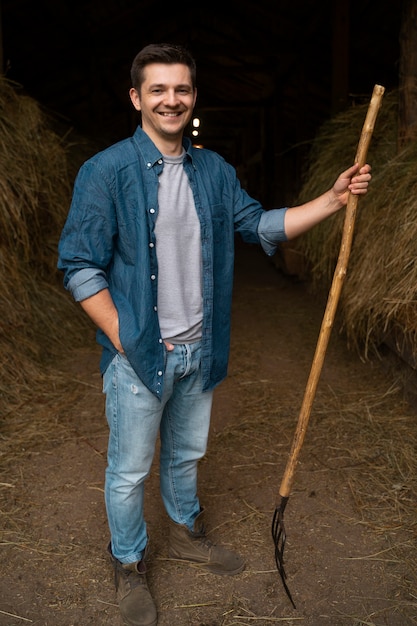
(136,605)
(194,546)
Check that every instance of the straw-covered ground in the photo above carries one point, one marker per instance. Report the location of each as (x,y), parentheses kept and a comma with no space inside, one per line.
(351,524)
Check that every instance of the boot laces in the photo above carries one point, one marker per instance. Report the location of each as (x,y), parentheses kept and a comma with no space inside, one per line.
(132,577)
(204,542)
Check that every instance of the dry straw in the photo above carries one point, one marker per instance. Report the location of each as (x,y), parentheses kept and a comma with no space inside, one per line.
(380,292)
(35,188)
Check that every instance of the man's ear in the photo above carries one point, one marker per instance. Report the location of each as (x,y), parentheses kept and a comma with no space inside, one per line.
(134,96)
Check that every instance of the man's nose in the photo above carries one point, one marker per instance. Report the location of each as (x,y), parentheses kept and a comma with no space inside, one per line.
(171,97)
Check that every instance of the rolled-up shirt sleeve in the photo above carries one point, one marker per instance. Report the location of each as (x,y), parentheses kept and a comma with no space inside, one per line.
(86,283)
(271,230)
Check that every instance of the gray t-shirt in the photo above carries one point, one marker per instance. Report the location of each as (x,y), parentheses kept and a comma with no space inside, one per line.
(178,249)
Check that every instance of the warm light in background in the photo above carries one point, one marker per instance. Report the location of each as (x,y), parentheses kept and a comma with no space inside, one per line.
(195,132)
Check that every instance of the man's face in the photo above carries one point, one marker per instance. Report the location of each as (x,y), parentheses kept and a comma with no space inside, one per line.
(166,100)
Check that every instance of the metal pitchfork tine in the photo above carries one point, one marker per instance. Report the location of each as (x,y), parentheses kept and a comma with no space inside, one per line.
(278,528)
(279,536)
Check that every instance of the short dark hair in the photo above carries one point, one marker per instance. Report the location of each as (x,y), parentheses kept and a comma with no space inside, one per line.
(161,53)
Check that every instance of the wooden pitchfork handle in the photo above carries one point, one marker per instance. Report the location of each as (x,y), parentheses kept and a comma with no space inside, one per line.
(333,299)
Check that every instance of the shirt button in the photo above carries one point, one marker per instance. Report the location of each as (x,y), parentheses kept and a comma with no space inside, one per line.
(153,276)
(151,245)
(160,373)
(160,340)
(160,161)
(148,165)
(155,308)
(151,210)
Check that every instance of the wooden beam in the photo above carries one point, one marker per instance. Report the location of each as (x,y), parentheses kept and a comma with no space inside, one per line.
(2,68)
(407,109)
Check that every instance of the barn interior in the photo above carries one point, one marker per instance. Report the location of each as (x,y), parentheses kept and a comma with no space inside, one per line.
(271,76)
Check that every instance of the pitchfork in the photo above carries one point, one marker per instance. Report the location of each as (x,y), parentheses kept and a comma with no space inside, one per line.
(278,527)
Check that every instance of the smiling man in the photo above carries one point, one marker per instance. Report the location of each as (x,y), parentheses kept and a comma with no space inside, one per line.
(165,95)
(148,251)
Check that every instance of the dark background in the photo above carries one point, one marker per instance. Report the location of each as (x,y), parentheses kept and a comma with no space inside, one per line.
(269,73)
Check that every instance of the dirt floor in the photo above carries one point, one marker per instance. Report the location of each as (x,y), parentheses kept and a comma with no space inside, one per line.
(350,519)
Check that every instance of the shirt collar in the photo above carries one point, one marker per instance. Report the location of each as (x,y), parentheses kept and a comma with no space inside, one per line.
(150,153)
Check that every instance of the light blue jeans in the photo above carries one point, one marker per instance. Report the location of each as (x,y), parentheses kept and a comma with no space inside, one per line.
(135,416)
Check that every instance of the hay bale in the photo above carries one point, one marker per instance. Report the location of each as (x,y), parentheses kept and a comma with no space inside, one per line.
(380,290)
(37,318)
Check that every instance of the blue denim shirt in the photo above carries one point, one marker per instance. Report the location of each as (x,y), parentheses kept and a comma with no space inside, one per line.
(108,241)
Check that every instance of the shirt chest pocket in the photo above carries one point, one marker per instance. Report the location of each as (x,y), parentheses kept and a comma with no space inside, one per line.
(128,241)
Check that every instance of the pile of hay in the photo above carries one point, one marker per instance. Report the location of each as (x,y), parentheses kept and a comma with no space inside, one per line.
(379,295)
(38,320)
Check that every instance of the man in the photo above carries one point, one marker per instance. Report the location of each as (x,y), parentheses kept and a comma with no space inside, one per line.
(147,250)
